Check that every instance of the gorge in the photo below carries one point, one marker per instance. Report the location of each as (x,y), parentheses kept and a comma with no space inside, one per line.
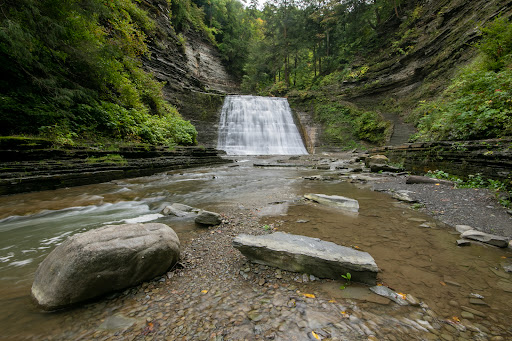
(111,111)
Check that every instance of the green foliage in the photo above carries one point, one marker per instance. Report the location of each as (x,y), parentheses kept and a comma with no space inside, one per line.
(496,44)
(371,127)
(109,158)
(72,69)
(477,105)
(347,277)
(305,41)
(187,15)
(503,190)
(478,102)
(344,123)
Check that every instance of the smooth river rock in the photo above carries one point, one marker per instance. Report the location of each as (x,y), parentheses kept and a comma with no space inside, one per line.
(107,259)
(208,218)
(490,239)
(337,201)
(308,255)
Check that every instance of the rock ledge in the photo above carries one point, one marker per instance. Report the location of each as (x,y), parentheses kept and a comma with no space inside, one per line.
(308,255)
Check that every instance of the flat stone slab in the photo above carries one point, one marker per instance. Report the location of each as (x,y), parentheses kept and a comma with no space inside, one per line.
(490,239)
(337,201)
(308,255)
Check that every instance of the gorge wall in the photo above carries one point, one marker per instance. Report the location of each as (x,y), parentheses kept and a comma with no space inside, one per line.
(417,55)
(433,40)
(491,158)
(195,78)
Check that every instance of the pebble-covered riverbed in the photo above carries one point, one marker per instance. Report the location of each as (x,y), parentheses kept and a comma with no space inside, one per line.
(217,295)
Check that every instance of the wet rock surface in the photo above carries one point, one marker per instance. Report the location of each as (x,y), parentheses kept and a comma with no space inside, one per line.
(37,167)
(486,238)
(454,206)
(336,201)
(208,218)
(216,294)
(308,255)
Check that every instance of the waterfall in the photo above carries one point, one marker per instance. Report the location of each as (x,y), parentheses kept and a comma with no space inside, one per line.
(253,125)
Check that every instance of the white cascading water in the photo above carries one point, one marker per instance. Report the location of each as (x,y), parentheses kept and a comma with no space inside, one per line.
(253,125)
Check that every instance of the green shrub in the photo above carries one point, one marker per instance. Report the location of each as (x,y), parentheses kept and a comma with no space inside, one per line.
(344,124)
(73,69)
(478,103)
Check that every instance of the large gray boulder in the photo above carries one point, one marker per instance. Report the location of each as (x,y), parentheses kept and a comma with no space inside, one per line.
(308,255)
(111,258)
(337,201)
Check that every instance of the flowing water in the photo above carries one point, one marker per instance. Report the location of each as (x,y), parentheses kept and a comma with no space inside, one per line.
(253,125)
(421,261)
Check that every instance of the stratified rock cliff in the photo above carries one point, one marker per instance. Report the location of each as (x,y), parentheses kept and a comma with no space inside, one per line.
(413,59)
(191,67)
(431,41)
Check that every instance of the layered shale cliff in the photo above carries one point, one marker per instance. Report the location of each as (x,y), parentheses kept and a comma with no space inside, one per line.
(433,40)
(195,78)
(414,59)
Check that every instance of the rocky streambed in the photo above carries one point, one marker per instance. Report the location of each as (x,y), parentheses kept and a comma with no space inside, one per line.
(215,293)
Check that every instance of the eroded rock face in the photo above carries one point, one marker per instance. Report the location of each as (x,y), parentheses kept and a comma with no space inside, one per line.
(96,262)
(308,255)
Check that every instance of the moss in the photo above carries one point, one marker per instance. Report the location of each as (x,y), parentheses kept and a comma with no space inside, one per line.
(110,158)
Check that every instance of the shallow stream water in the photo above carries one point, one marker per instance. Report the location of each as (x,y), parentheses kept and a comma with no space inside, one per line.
(421,261)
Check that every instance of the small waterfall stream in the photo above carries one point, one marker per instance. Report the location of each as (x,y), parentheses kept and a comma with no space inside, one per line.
(253,125)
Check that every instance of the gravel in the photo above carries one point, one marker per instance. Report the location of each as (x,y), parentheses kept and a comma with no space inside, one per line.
(477,208)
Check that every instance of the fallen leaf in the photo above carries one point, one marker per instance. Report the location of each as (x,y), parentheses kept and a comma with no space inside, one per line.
(403,296)
(443,283)
(309,295)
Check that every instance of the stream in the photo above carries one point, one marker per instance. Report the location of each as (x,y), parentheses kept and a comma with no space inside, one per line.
(424,262)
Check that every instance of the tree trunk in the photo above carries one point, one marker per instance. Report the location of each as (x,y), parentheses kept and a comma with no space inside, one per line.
(327,43)
(295,69)
(314,59)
